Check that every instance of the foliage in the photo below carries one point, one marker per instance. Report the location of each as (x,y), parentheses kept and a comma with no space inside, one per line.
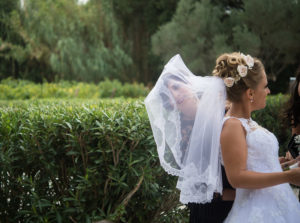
(62,38)
(87,160)
(138,32)
(201,30)
(8,35)
(130,40)
(82,161)
(199,39)
(21,89)
(278,46)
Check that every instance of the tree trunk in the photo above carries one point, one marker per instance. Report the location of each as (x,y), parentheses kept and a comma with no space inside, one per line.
(140,50)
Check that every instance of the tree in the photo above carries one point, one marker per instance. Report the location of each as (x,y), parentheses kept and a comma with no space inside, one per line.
(201,30)
(8,37)
(270,30)
(139,20)
(196,32)
(70,41)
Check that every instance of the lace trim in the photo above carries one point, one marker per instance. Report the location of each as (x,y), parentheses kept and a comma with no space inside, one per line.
(170,170)
(245,122)
(194,199)
(187,195)
(199,198)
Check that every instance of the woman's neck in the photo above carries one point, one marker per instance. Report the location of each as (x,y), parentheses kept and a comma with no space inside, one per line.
(239,110)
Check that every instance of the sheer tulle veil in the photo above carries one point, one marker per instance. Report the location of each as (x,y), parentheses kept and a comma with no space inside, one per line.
(186,114)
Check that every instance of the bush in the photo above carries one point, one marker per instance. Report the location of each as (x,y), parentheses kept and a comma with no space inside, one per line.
(87,160)
(82,161)
(22,89)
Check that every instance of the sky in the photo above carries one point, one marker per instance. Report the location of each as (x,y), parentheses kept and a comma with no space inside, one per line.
(80,2)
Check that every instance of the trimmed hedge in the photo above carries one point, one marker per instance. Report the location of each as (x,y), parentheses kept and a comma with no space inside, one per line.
(76,161)
(22,89)
(84,160)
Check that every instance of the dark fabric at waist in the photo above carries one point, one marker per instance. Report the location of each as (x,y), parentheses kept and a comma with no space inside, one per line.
(225,181)
(214,212)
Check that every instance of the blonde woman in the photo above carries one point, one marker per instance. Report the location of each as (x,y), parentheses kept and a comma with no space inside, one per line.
(248,152)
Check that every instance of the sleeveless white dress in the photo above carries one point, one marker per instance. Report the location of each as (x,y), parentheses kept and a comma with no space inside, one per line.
(276,204)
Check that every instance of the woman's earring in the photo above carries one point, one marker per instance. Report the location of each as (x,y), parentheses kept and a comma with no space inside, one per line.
(251,100)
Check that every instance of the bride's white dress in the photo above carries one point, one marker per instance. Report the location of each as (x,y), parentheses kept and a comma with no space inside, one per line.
(276,204)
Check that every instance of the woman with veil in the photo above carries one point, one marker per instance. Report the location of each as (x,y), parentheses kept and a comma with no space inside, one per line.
(196,153)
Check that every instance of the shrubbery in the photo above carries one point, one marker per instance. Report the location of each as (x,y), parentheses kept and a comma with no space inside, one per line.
(81,161)
(22,89)
(86,160)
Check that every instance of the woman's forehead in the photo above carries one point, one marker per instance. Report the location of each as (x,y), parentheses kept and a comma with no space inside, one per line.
(172,81)
(264,78)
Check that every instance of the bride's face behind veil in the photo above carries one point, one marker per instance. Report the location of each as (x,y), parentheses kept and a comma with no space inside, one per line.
(183,96)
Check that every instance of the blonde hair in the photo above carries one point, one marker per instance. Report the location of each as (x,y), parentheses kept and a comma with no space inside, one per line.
(226,66)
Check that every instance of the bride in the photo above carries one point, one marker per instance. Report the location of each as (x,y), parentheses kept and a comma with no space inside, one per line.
(194,139)
(249,151)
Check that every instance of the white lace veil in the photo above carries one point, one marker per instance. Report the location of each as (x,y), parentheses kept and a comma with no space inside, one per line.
(186,113)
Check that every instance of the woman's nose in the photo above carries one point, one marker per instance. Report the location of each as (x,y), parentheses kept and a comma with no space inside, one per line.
(176,95)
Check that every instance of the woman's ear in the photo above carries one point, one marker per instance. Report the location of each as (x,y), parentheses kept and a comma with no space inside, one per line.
(250,94)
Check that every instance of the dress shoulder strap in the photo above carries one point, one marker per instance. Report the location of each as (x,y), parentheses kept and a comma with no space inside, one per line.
(244,122)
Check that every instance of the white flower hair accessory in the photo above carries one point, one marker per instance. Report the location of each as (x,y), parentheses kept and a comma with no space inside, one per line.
(249,60)
(229,81)
(242,70)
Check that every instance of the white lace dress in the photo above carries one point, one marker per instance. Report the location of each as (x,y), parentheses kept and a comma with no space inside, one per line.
(276,204)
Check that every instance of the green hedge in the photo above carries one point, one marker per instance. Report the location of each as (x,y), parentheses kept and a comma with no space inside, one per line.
(82,161)
(22,89)
(87,160)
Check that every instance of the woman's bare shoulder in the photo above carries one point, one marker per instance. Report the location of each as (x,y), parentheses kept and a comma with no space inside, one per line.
(232,122)
(232,127)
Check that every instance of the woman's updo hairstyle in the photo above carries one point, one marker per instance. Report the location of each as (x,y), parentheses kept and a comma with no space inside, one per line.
(227,69)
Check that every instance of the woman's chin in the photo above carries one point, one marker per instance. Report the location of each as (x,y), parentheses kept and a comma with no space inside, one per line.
(263,106)
(259,107)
